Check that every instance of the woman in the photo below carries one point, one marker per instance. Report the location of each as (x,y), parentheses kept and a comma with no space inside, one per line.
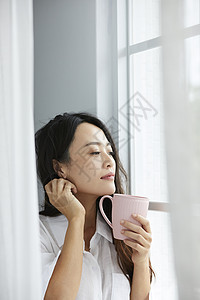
(80,258)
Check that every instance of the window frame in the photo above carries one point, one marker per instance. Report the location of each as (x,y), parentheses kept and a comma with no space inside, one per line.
(132,49)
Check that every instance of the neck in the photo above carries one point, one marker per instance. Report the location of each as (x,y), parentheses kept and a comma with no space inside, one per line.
(89,203)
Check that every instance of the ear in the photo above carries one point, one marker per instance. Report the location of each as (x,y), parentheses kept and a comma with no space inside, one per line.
(57,166)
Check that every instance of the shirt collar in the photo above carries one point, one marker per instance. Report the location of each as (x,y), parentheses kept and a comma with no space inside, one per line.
(57,228)
(103,228)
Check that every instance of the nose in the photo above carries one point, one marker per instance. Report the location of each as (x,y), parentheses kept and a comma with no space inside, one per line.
(108,161)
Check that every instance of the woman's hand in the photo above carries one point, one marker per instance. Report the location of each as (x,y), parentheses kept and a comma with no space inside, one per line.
(139,238)
(60,195)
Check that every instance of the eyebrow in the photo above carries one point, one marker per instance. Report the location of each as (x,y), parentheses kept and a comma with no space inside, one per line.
(96,143)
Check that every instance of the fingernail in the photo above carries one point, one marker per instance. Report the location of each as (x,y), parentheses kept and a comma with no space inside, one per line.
(122,231)
(122,222)
(134,215)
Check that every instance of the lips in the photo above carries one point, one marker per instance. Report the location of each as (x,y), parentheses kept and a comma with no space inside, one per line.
(108,176)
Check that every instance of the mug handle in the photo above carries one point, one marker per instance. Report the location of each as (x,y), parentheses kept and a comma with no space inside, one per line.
(102,211)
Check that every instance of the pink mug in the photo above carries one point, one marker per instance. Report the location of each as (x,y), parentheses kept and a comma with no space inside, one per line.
(123,206)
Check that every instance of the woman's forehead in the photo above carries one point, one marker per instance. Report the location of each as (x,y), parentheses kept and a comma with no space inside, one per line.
(88,133)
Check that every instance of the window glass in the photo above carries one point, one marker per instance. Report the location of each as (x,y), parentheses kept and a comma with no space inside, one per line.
(144,20)
(192,12)
(192,53)
(147,125)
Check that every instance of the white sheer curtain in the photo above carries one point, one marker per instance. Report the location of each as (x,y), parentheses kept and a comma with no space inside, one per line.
(20,277)
(181,70)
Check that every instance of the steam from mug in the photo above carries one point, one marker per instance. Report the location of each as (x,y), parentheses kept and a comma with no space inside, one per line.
(123,206)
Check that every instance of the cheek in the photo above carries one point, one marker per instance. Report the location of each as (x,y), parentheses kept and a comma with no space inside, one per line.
(87,166)
(85,171)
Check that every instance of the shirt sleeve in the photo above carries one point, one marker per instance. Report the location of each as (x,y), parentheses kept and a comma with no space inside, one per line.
(49,256)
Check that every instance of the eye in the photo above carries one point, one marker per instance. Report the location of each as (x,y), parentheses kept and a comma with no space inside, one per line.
(94,153)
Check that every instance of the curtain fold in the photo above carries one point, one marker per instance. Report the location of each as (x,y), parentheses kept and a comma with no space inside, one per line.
(182,136)
(20,272)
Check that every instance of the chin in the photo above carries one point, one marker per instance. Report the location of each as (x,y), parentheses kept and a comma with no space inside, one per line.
(108,191)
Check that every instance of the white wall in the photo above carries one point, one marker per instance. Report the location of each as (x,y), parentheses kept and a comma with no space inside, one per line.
(65,57)
(106,59)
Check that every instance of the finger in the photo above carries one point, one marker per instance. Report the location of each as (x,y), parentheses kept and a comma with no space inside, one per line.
(138,229)
(70,186)
(48,187)
(145,222)
(54,184)
(60,185)
(137,237)
(134,245)
(74,189)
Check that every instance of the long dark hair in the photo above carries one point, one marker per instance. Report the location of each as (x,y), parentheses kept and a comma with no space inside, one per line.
(52,142)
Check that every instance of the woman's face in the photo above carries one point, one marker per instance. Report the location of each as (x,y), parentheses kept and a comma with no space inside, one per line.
(91,159)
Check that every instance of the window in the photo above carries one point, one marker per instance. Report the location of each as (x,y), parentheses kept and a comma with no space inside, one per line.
(146,125)
(145,147)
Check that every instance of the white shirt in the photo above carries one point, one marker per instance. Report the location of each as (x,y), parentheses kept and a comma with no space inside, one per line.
(102,278)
